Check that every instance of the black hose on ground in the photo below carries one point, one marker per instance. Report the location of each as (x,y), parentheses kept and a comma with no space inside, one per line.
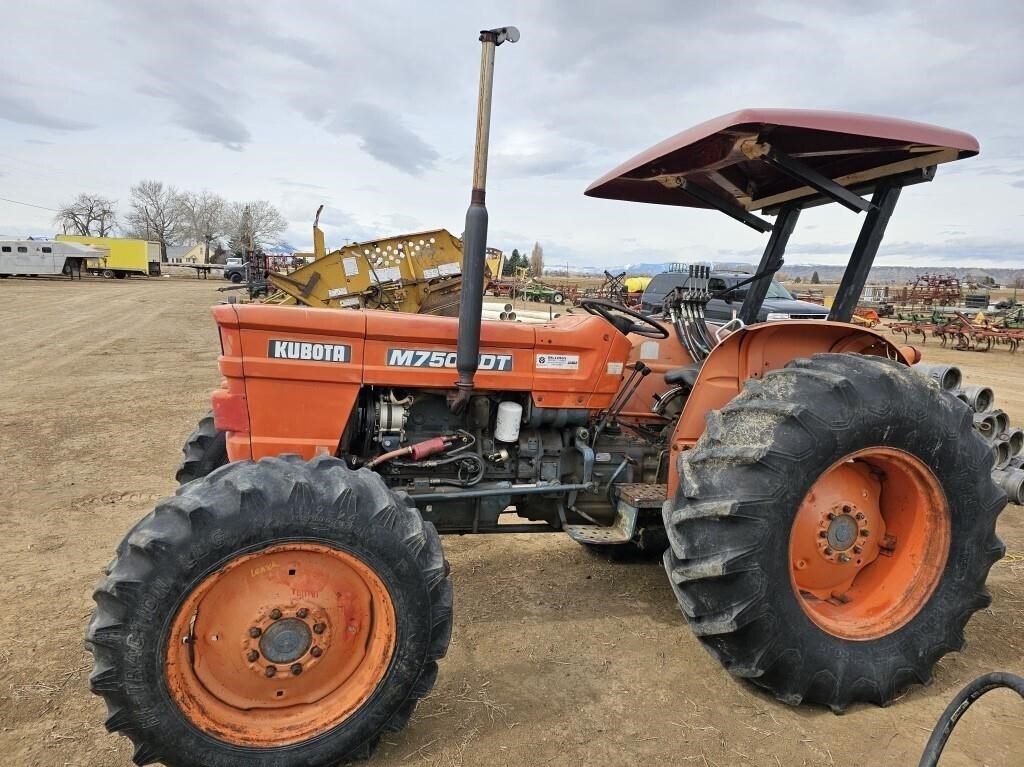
(958,707)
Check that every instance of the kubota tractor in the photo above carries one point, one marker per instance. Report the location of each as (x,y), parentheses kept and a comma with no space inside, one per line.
(826,513)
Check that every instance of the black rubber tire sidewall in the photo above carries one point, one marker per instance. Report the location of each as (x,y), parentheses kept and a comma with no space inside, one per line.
(204,451)
(306,516)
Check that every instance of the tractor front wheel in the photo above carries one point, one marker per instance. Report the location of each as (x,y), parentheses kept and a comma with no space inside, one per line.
(272,613)
(833,530)
(205,450)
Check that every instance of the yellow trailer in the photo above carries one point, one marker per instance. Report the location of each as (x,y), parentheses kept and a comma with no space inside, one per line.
(121,257)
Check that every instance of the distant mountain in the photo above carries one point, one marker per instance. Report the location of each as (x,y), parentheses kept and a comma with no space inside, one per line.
(896,275)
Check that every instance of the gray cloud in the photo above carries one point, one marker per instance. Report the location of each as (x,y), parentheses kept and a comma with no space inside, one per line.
(382,135)
(197,108)
(24,112)
(298,184)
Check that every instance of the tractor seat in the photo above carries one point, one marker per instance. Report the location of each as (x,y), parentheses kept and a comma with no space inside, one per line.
(685,375)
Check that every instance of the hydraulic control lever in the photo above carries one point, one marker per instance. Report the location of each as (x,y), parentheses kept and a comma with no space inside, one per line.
(639,372)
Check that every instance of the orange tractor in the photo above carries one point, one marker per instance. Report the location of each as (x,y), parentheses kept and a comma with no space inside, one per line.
(826,513)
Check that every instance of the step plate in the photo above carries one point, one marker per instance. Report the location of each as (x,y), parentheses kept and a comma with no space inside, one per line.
(597,534)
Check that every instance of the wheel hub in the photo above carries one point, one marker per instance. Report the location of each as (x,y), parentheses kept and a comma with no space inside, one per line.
(286,641)
(841,532)
(868,543)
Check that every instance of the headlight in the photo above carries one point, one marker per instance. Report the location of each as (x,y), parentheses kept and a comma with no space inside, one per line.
(772,316)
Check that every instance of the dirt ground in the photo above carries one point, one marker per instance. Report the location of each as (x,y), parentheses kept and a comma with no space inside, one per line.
(558,657)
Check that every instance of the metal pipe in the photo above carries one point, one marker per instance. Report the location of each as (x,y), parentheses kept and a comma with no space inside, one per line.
(948,377)
(1002,421)
(1002,454)
(1012,482)
(979,398)
(475,234)
(985,423)
(1015,438)
(492,492)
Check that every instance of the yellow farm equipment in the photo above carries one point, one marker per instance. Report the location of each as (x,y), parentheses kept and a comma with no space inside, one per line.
(417,273)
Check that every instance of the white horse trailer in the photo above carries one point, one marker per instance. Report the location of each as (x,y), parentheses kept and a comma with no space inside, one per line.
(32,258)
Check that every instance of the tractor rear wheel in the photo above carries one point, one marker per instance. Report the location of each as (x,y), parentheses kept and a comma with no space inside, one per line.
(833,530)
(272,613)
(205,450)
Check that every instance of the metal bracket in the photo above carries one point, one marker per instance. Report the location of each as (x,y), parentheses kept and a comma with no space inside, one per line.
(732,326)
(733,211)
(815,180)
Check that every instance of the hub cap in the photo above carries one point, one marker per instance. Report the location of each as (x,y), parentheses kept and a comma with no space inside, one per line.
(286,641)
(869,543)
(280,645)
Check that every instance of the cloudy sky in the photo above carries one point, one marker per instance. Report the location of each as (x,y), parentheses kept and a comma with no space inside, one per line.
(368,107)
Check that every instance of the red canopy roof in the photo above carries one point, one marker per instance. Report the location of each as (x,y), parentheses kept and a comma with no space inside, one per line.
(725,156)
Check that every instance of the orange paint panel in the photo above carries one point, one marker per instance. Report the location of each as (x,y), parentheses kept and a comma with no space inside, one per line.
(303,368)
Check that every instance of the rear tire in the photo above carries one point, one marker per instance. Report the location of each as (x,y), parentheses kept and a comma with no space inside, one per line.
(558,298)
(249,512)
(204,451)
(108,273)
(746,483)
(236,278)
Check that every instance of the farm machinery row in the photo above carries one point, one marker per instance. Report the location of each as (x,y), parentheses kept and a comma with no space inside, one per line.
(825,513)
(964,334)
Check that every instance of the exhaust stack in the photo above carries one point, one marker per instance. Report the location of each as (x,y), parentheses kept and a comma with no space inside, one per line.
(475,234)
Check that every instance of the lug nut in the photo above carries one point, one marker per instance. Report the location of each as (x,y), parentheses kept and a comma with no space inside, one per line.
(253,656)
(857,549)
(271,670)
(843,558)
(296,669)
(831,515)
(316,652)
(275,614)
(319,628)
(828,551)
(860,515)
(255,632)
(302,612)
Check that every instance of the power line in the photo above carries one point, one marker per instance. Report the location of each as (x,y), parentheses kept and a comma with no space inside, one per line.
(30,205)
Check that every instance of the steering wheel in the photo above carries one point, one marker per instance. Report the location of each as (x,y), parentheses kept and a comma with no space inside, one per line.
(642,326)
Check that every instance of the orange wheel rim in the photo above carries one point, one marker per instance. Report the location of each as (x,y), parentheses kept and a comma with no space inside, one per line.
(280,645)
(869,543)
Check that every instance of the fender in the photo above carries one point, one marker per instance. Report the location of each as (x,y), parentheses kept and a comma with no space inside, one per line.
(755,350)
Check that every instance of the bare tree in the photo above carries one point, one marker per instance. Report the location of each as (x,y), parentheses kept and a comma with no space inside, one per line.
(255,224)
(537,260)
(205,217)
(156,214)
(88,215)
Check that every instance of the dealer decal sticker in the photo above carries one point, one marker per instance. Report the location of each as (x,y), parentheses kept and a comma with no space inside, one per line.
(302,350)
(558,362)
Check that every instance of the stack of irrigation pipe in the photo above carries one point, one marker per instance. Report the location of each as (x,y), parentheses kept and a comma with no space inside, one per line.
(993,424)
(506,313)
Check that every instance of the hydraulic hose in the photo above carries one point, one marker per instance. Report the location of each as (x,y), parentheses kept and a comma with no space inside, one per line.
(958,707)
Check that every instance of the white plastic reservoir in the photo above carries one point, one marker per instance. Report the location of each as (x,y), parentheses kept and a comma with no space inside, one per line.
(506,429)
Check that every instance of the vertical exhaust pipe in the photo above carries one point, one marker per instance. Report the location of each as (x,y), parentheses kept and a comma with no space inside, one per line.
(474,243)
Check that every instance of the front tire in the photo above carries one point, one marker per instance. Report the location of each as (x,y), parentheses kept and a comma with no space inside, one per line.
(318,571)
(833,530)
(204,451)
